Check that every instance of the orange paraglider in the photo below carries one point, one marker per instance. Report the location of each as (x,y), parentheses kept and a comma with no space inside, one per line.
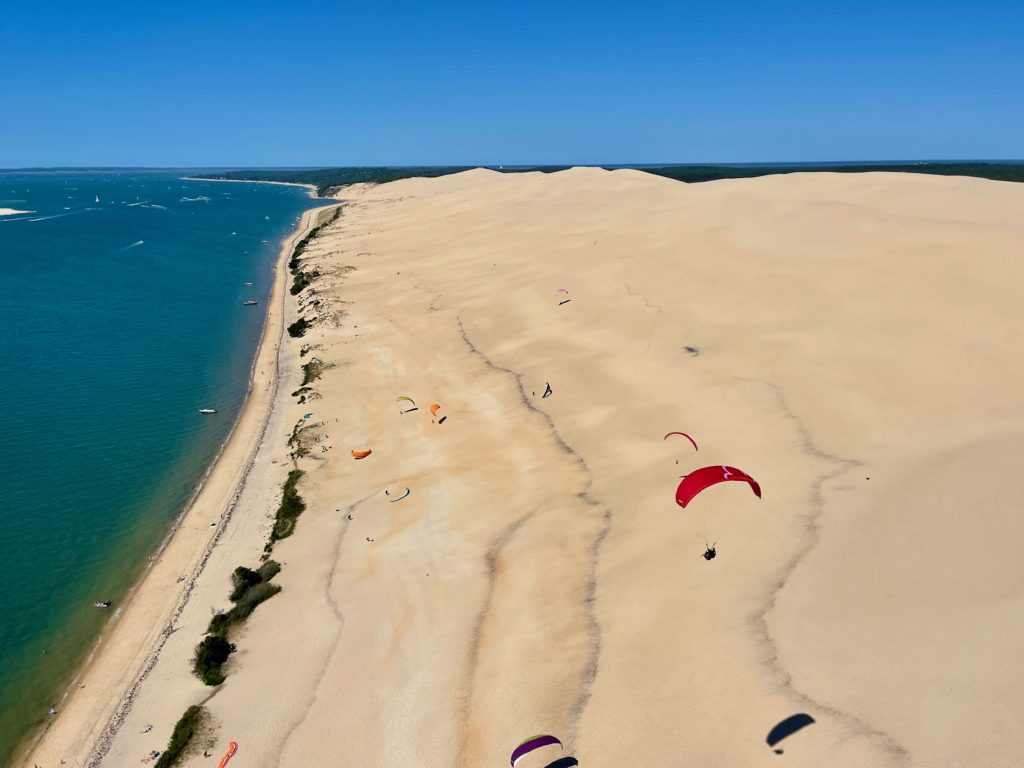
(361,454)
(434,408)
(232,748)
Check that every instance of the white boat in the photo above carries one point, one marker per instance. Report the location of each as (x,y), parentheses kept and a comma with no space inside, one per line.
(207,410)
(250,303)
(97,198)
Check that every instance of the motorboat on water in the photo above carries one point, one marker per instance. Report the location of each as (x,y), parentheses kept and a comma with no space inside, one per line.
(250,303)
(102,604)
(207,410)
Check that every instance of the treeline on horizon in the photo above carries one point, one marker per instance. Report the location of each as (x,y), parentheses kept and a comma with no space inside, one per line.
(327,179)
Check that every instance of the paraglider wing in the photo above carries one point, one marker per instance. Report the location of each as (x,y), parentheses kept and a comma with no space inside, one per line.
(407,492)
(702,478)
(532,743)
(684,435)
(232,748)
(560,290)
(434,408)
(361,454)
(788,727)
(563,762)
(400,398)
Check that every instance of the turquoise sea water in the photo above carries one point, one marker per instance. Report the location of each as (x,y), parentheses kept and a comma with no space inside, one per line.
(120,319)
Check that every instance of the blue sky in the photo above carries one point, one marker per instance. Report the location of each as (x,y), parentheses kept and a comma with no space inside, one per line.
(342,83)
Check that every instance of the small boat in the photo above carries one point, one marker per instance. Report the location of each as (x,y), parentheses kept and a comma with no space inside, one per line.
(97,198)
(102,604)
(250,303)
(207,410)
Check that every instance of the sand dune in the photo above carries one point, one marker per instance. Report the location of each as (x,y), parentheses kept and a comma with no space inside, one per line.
(851,340)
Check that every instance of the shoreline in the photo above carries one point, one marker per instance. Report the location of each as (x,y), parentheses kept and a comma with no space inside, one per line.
(90,716)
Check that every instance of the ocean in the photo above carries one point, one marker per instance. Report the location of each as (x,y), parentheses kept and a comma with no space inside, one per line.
(121,314)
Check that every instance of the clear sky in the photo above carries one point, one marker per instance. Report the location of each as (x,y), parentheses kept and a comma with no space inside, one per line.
(224,83)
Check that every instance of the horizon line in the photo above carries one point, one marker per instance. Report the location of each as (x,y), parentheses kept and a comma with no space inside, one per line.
(761,163)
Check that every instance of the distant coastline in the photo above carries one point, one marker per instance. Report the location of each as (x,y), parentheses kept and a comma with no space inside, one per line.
(311,187)
(329,180)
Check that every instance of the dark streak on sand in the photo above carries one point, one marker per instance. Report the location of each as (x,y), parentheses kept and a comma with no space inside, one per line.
(759,621)
(492,559)
(588,674)
(339,616)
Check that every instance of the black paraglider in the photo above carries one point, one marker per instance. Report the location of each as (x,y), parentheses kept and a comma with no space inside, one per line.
(786,728)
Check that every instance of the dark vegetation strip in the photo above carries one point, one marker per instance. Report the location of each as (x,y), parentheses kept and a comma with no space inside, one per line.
(249,589)
(187,728)
(300,278)
(312,371)
(327,179)
(288,512)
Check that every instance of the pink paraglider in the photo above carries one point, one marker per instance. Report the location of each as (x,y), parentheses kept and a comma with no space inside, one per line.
(705,477)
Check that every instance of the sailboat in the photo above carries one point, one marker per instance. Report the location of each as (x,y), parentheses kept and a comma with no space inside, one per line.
(97,198)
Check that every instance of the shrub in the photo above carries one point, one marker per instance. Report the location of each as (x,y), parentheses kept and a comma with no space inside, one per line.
(291,507)
(269,570)
(211,654)
(242,579)
(190,724)
(253,597)
(312,371)
(299,327)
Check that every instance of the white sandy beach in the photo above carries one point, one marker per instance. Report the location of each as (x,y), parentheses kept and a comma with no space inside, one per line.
(851,340)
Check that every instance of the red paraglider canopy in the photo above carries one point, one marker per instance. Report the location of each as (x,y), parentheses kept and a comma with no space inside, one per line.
(684,435)
(705,477)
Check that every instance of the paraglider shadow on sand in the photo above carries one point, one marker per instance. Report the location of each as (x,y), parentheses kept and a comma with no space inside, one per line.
(787,728)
